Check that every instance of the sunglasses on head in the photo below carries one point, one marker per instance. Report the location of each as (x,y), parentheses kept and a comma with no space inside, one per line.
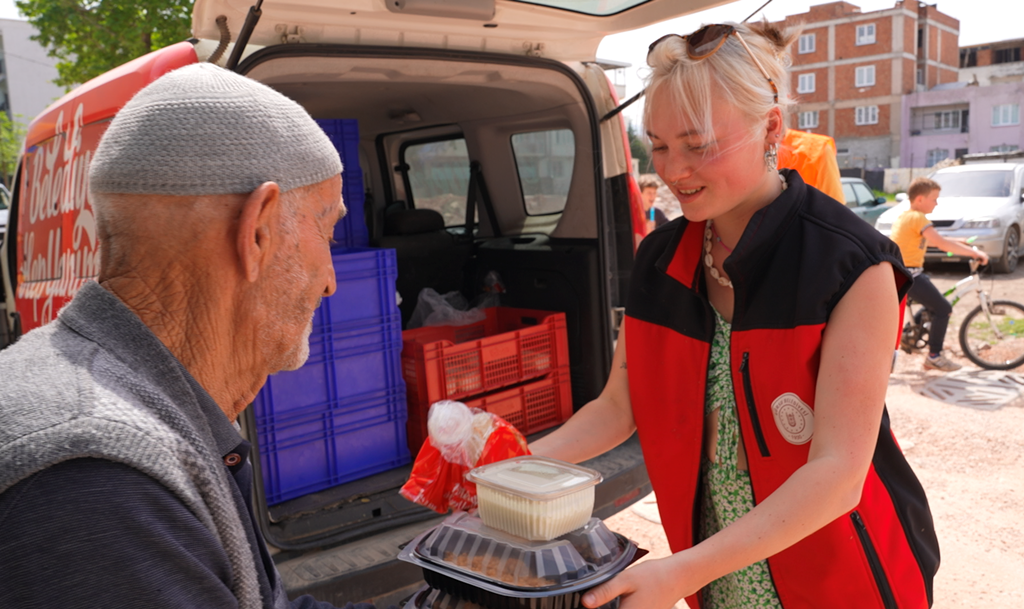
(706,41)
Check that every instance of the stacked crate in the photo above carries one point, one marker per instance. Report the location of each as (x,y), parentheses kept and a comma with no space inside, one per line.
(514,363)
(342,415)
(351,230)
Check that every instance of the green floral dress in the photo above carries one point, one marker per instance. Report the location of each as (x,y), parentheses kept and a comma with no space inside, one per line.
(727,494)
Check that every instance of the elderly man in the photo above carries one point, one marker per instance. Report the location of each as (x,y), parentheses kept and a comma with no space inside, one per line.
(123,481)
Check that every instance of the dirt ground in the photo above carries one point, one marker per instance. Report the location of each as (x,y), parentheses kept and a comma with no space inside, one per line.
(970,460)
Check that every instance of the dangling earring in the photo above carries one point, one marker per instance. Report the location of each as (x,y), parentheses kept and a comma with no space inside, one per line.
(771,157)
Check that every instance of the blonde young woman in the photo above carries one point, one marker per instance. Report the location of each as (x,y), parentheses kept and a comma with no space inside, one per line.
(753,362)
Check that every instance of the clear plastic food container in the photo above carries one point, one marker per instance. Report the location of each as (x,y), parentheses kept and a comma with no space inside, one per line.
(536,498)
(466,562)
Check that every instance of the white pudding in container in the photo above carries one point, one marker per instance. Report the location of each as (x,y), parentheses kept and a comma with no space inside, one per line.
(536,498)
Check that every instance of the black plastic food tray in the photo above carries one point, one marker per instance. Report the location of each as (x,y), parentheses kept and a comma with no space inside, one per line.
(462,544)
(452,590)
(594,554)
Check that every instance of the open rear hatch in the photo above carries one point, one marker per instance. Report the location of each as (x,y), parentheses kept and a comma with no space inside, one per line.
(564,30)
(547,261)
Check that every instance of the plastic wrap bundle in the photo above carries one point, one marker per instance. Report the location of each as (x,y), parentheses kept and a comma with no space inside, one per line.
(460,438)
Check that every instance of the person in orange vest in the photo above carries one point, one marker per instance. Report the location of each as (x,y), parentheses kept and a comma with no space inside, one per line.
(814,157)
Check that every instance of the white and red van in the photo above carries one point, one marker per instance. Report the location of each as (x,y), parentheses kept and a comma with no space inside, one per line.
(507,92)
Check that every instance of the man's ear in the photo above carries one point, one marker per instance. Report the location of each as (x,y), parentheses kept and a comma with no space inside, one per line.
(258,225)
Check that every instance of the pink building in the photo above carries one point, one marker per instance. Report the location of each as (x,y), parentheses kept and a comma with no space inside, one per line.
(955,119)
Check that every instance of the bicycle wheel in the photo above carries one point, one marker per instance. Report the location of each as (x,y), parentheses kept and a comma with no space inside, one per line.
(996,341)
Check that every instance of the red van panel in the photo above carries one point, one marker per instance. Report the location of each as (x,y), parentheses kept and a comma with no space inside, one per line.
(56,242)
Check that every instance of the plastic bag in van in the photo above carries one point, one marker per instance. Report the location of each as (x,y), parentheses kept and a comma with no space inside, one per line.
(451,309)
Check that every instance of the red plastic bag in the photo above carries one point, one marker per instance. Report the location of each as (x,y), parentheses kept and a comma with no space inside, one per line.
(460,439)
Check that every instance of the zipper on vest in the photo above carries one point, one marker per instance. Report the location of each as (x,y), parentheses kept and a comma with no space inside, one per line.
(876,566)
(748,391)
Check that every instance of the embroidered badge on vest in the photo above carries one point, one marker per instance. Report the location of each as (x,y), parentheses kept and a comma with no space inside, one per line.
(794,419)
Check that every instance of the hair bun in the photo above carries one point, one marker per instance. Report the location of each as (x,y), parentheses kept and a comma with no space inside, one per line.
(778,37)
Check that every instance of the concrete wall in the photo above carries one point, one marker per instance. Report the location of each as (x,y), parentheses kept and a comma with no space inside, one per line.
(867,152)
(28,72)
(994,74)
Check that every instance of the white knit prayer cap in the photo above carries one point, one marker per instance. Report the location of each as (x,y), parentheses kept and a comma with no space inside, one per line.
(204,130)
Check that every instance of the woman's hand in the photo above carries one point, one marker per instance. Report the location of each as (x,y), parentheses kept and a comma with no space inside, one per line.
(654,584)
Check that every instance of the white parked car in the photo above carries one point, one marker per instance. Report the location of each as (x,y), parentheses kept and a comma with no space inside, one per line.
(984,201)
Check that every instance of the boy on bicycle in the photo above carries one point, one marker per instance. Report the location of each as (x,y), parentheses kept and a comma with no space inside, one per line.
(913,233)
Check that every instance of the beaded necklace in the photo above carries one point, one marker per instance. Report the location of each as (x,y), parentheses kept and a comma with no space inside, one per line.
(709,260)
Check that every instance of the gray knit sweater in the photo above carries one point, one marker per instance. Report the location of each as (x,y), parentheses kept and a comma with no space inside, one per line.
(96,383)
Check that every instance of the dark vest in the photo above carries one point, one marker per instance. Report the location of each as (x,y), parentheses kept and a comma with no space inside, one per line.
(795,261)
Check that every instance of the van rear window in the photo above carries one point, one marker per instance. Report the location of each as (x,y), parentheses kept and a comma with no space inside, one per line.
(439,178)
(544,160)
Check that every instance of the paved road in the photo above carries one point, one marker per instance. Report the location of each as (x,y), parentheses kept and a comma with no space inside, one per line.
(970,460)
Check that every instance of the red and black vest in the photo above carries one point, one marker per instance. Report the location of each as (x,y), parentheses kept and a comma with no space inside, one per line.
(796,259)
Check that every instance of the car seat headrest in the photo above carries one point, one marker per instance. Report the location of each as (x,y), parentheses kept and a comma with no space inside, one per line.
(413,222)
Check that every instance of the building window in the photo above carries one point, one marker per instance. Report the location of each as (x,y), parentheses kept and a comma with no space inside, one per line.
(865,76)
(866,115)
(959,153)
(1006,114)
(920,76)
(1005,148)
(935,155)
(920,37)
(805,83)
(807,43)
(809,120)
(1006,55)
(947,120)
(866,34)
(968,58)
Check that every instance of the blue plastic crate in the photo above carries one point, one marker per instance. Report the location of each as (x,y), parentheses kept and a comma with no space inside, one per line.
(351,230)
(344,362)
(348,441)
(356,343)
(345,394)
(344,134)
(366,286)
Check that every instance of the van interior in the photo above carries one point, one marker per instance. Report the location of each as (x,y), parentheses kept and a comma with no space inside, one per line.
(472,165)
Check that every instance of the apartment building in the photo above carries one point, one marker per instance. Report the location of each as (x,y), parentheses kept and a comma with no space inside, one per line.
(992,63)
(851,70)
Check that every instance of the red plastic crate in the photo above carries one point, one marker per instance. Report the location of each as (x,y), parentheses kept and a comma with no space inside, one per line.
(508,347)
(530,408)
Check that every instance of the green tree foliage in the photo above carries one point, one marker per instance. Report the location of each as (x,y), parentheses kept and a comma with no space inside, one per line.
(89,37)
(640,149)
(12,134)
